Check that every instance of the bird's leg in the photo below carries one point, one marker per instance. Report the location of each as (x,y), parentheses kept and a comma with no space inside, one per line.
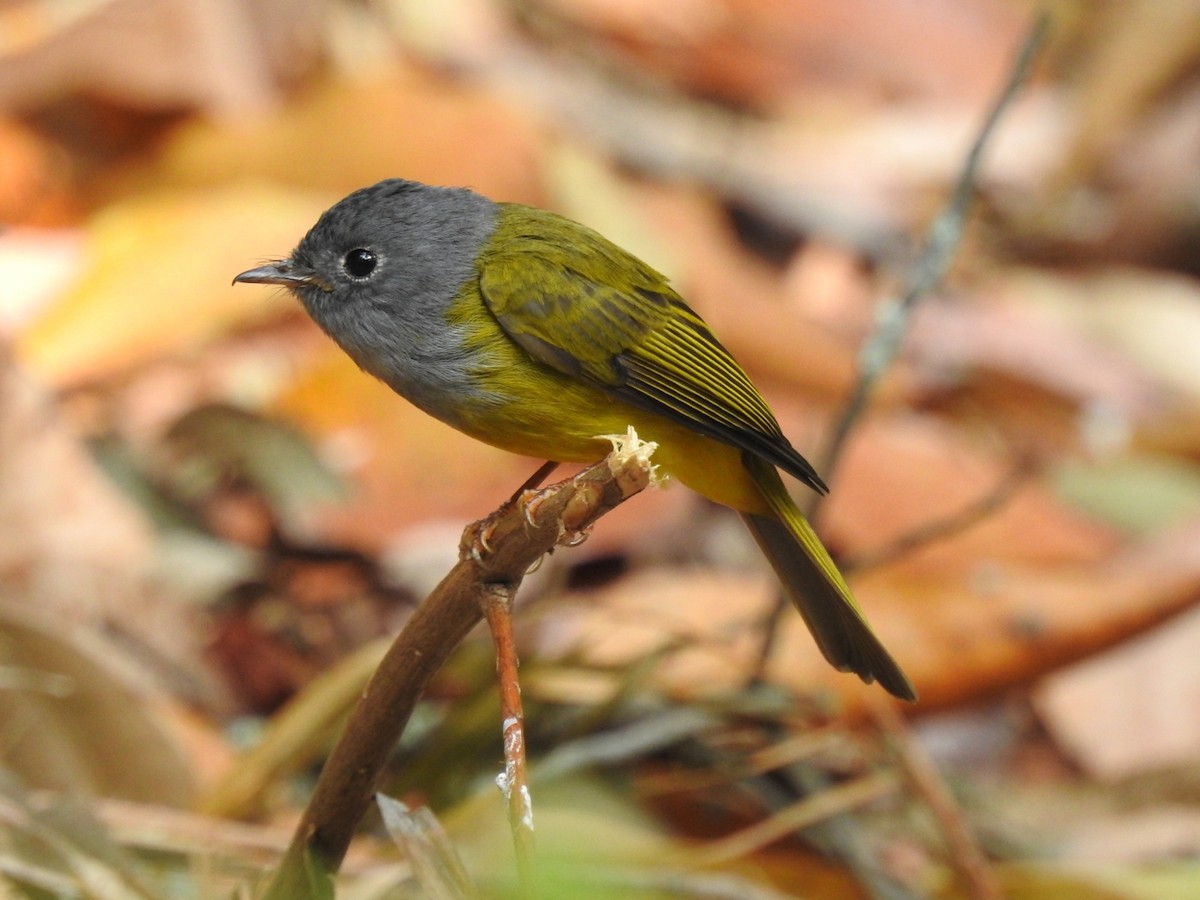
(535,480)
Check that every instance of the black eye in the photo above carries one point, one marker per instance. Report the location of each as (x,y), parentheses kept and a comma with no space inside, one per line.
(359,262)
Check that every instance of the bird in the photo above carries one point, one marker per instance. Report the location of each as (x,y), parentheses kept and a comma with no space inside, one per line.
(536,334)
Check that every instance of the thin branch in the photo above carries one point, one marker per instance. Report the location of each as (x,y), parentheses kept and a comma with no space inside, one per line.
(977,878)
(942,529)
(498,550)
(514,783)
(802,814)
(881,346)
(941,242)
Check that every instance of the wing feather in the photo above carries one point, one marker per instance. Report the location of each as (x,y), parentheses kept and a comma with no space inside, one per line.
(586,308)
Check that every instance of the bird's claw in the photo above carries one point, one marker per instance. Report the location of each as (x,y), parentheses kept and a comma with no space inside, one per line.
(576,538)
(476,541)
(529,502)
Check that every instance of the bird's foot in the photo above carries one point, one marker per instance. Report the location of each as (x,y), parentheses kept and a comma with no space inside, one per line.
(477,538)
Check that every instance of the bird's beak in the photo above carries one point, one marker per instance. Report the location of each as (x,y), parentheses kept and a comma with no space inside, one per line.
(286,273)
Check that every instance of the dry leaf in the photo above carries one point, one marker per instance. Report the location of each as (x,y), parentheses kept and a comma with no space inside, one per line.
(901,473)
(1134,51)
(1005,624)
(75,549)
(760,53)
(1151,319)
(1015,336)
(1022,592)
(157,274)
(33,191)
(344,134)
(78,720)
(1133,709)
(67,535)
(223,56)
(410,470)
(709,617)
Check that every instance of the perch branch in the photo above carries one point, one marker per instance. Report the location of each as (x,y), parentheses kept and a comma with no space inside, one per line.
(497,551)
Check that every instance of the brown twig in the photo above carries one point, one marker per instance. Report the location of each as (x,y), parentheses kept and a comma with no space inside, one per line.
(514,782)
(883,343)
(978,880)
(941,529)
(499,550)
(941,243)
(803,814)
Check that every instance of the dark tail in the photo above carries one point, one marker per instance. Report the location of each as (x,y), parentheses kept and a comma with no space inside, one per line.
(818,590)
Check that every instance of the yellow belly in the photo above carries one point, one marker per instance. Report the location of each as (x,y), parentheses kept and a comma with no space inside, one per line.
(565,420)
(524,406)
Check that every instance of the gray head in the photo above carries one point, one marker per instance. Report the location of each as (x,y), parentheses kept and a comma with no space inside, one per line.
(397,237)
(378,272)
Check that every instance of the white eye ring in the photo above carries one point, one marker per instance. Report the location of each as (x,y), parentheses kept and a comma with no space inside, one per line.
(360,262)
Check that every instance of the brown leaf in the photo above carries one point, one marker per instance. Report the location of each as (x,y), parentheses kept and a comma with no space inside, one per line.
(1008,623)
(86,724)
(760,52)
(710,616)
(221,56)
(1015,596)
(1149,320)
(903,472)
(343,134)
(1130,710)
(157,275)
(75,549)
(1131,53)
(33,191)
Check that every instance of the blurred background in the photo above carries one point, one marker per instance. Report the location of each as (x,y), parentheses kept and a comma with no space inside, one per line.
(210,521)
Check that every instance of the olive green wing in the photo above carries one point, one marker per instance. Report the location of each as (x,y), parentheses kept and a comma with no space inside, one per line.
(585,307)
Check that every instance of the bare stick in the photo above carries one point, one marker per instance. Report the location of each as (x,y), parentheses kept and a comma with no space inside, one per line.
(514,782)
(941,242)
(941,529)
(499,550)
(880,347)
(803,814)
(978,880)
